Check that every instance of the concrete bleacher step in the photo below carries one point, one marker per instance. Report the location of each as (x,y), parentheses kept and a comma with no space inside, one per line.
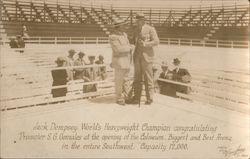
(197,97)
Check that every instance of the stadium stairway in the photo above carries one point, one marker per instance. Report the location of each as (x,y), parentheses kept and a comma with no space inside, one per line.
(99,19)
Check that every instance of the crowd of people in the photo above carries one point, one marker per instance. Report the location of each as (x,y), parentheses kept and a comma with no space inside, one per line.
(89,74)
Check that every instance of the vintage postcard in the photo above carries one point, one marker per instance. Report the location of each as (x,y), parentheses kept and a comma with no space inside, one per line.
(124,79)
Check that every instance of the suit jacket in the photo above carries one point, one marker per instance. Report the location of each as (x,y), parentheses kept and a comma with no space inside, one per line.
(79,72)
(121,50)
(167,88)
(149,35)
(164,75)
(177,76)
(59,77)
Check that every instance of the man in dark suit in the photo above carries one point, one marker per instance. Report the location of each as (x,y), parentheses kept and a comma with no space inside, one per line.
(145,38)
(13,43)
(166,88)
(20,42)
(101,72)
(90,76)
(181,75)
(59,78)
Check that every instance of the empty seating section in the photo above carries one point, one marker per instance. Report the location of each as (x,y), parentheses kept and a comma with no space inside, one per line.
(236,33)
(182,32)
(60,18)
(54,29)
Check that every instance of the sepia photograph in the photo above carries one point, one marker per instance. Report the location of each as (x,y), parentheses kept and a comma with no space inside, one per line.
(164,79)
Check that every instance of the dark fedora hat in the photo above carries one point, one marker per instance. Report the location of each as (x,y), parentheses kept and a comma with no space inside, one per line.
(176,61)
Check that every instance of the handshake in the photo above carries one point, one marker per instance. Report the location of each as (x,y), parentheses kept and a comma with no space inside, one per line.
(141,42)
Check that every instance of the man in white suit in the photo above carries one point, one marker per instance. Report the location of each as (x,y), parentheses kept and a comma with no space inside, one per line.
(121,58)
(145,38)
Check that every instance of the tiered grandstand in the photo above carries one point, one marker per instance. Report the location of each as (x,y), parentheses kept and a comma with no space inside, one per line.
(48,18)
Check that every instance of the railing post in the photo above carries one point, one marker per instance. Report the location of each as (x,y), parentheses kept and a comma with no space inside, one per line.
(55,40)
(97,40)
(39,40)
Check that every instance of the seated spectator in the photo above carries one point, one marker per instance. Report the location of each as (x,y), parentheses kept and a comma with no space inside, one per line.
(20,42)
(70,62)
(166,88)
(13,43)
(90,76)
(79,72)
(59,78)
(101,72)
(181,75)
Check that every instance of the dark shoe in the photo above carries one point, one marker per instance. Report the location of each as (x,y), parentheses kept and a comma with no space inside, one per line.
(121,103)
(134,102)
(149,102)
